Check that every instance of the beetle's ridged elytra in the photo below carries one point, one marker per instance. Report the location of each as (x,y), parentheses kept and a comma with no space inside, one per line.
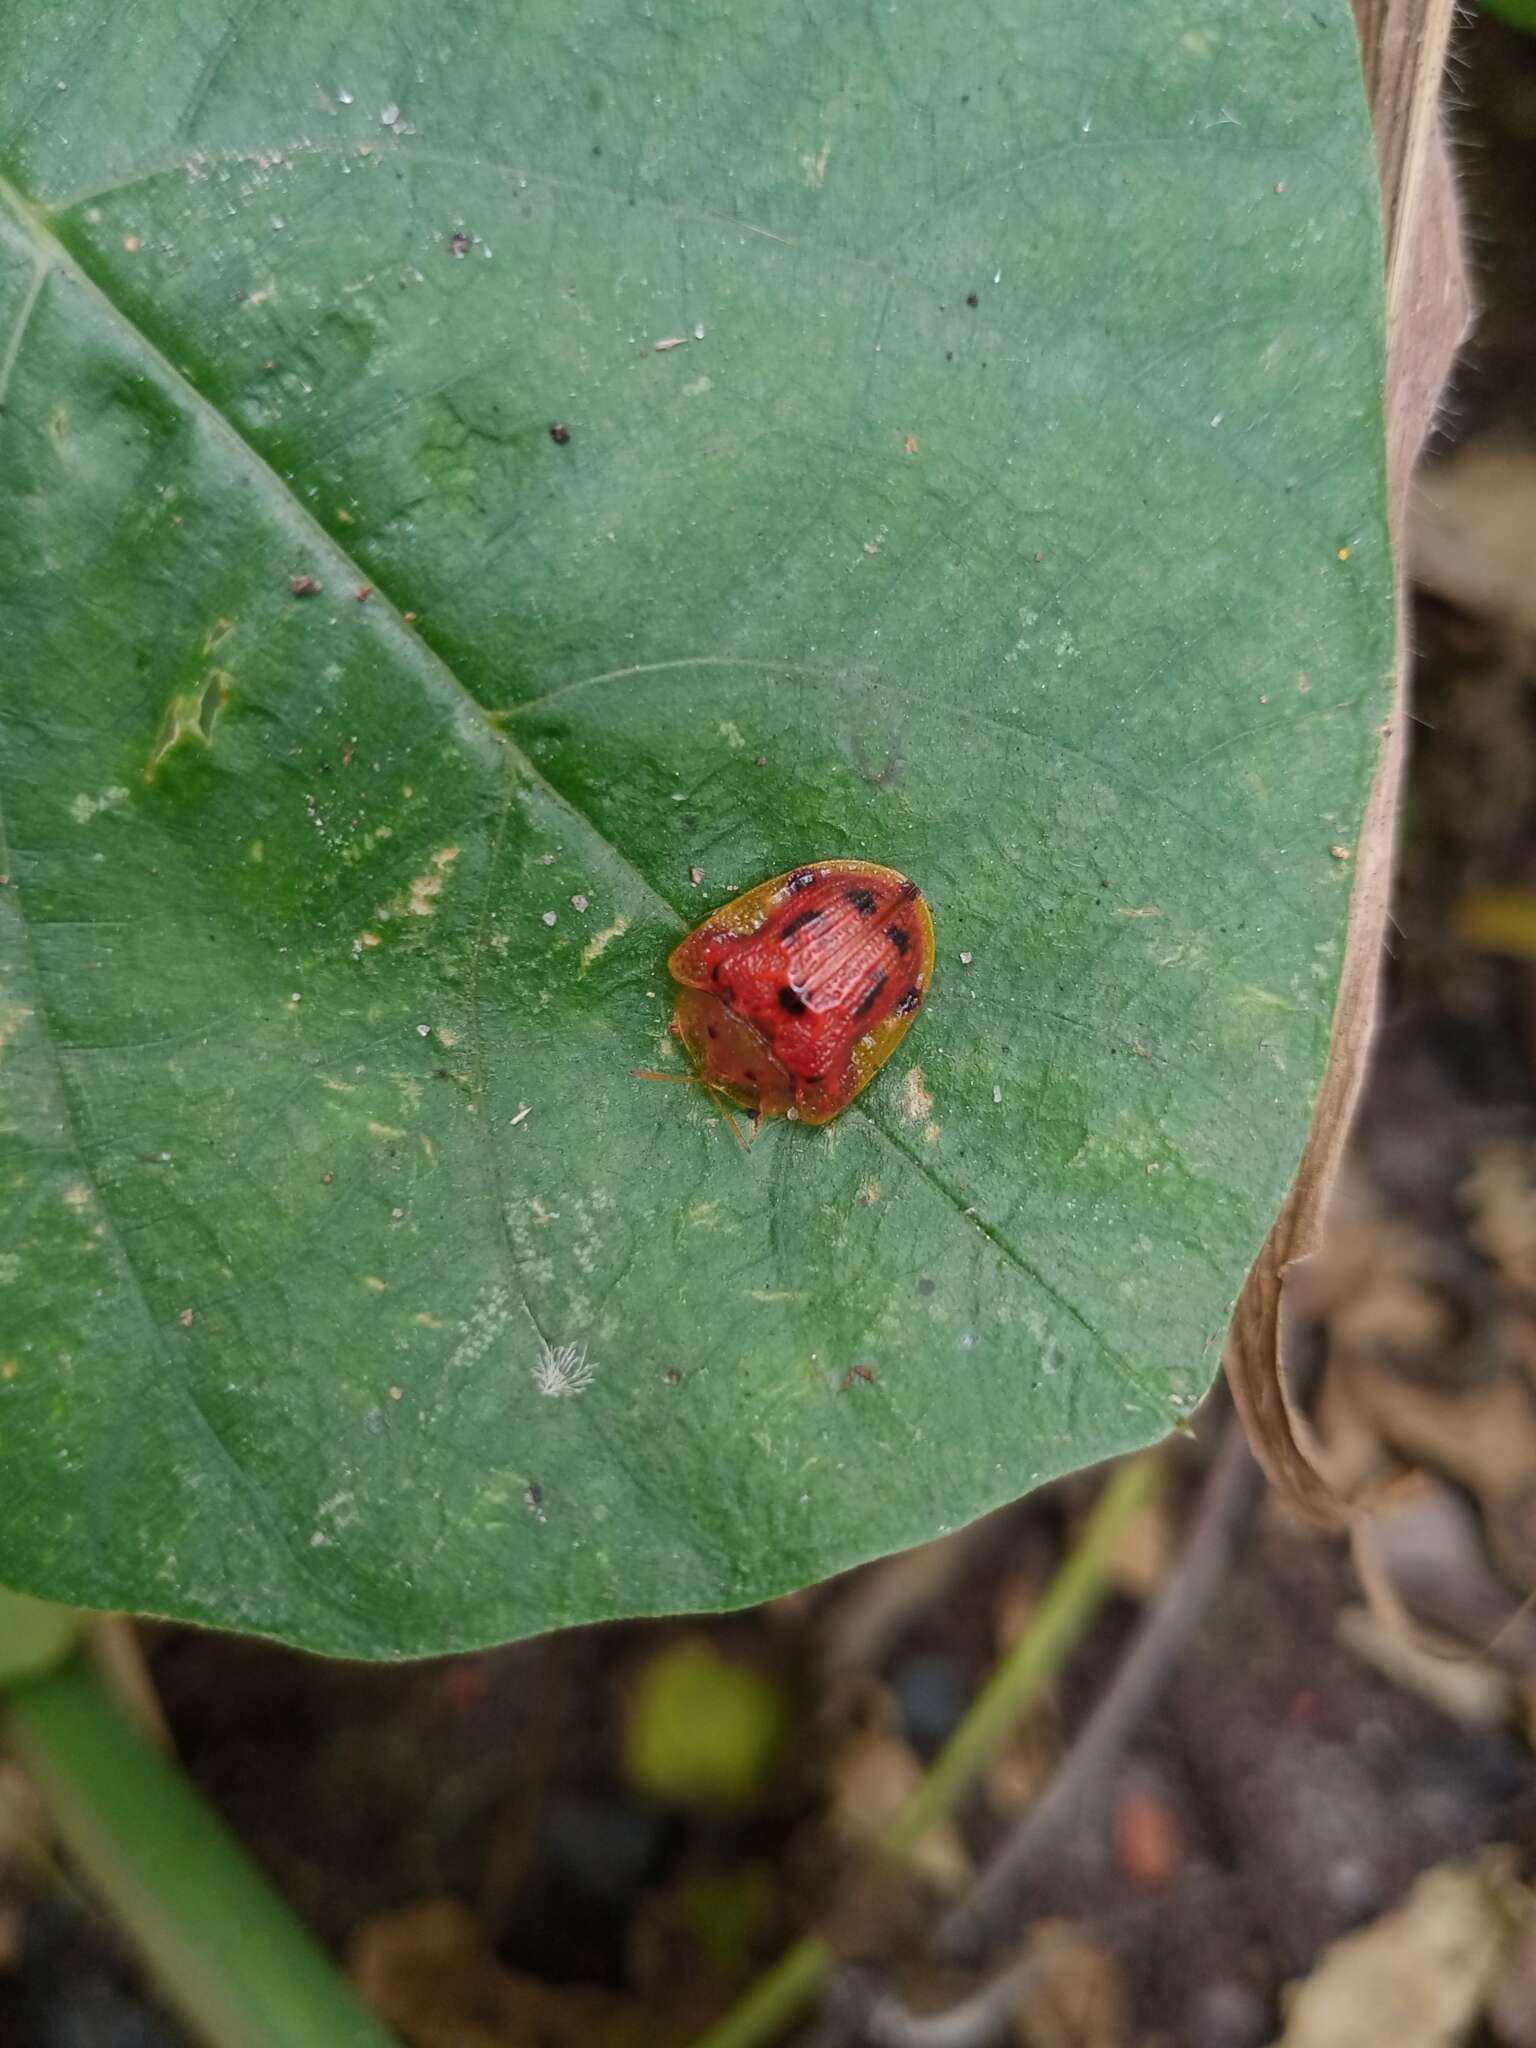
(796,994)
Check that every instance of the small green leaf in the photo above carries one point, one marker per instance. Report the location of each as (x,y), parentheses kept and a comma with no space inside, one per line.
(969,459)
(701,1727)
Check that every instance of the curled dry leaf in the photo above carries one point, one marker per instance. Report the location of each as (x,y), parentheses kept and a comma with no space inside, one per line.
(1403,50)
(1418,1977)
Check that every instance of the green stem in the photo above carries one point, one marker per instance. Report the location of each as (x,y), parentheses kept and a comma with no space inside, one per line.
(219,1942)
(1075,1596)
(777,1999)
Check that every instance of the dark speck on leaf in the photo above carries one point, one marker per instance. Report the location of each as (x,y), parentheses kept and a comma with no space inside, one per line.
(973,298)
(458,242)
(305,586)
(672,1377)
(559,433)
(926,1286)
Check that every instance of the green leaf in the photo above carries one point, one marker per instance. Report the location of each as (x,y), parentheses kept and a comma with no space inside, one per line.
(1521,12)
(1011,512)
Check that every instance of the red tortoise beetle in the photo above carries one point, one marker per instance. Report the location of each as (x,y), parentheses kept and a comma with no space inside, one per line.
(796,994)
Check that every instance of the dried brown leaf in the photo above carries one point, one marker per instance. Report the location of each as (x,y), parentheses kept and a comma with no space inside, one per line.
(1403,45)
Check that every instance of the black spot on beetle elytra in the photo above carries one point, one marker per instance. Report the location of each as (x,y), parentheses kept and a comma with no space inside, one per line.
(909,1002)
(871,996)
(863,900)
(898,938)
(802,878)
(798,924)
(790,1002)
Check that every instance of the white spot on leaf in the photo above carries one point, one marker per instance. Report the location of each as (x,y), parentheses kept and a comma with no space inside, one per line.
(566,1371)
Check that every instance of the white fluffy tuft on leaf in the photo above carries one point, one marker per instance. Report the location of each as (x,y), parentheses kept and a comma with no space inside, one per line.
(566,1371)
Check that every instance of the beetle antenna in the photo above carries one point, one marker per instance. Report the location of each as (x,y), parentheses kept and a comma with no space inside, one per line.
(719,1101)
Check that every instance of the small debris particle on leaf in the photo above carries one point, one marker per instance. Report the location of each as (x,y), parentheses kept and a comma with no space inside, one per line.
(1341,852)
(578,903)
(410,618)
(997,1095)
(695,875)
(305,586)
(1279,188)
(397,1214)
(672,1377)
(966,959)
(549,917)
(866,1373)
(327,1178)
(546,860)
(364,592)
(186,1319)
(910,444)
(559,433)
(522,1112)
(344,517)
(672,341)
(973,298)
(1345,553)
(389,115)
(458,242)
(132,244)
(761,761)
(423,1030)
(397,1393)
